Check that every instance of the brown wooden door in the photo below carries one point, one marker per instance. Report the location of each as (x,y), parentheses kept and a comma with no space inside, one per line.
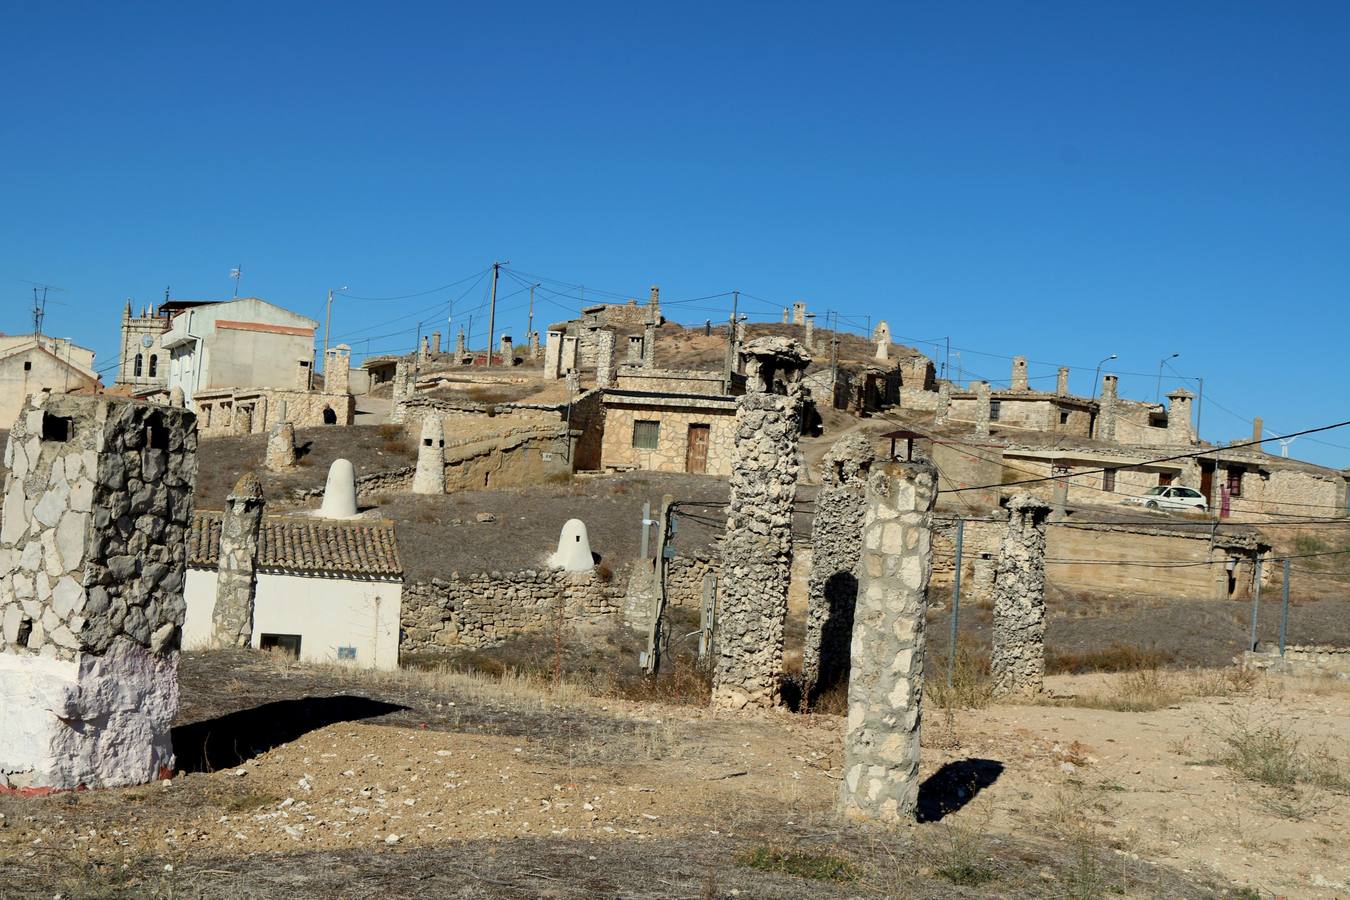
(1207,481)
(696,450)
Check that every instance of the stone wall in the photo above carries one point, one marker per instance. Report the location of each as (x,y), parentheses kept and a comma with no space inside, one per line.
(480,610)
(670,453)
(1017,665)
(671,381)
(230,412)
(1298,659)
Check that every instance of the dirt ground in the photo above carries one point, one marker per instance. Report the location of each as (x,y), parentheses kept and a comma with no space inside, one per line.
(323,782)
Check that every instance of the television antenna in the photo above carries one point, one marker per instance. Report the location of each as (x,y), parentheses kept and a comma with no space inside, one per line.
(236,273)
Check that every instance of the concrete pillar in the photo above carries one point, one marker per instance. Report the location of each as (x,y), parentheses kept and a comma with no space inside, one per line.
(604,359)
(944,403)
(982,406)
(97,508)
(885,686)
(1180,428)
(236,570)
(1019,374)
(339,492)
(1018,663)
(649,345)
(337,370)
(799,313)
(809,338)
(757,546)
(429,477)
(836,545)
(280,447)
(436,342)
(1062,381)
(553,356)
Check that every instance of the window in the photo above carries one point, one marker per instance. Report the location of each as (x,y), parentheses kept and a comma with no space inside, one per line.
(287,643)
(136,368)
(1235,482)
(346,653)
(1109,480)
(1063,417)
(154,364)
(28,365)
(994,406)
(56,428)
(646,434)
(1165,478)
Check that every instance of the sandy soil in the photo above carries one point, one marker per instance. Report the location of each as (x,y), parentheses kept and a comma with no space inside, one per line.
(444,785)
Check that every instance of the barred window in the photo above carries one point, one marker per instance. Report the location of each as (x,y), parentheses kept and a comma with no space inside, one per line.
(646,434)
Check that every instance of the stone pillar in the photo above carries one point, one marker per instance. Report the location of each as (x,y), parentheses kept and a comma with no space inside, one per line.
(1106,410)
(799,313)
(429,477)
(1060,492)
(534,345)
(810,335)
(573,382)
(883,350)
(885,685)
(1062,381)
(303,373)
(785,315)
(436,342)
(508,350)
(461,346)
(604,359)
(97,508)
(836,543)
(1018,664)
(757,546)
(649,345)
(425,350)
(553,356)
(1180,430)
(280,447)
(1258,425)
(982,406)
(569,353)
(236,571)
(634,356)
(405,380)
(1019,374)
(944,403)
(337,370)
(654,305)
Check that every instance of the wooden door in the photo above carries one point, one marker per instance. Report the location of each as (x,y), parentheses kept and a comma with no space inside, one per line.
(696,450)
(1207,482)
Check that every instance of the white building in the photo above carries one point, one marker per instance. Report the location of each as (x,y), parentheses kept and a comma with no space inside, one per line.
(245,343)
(326,591)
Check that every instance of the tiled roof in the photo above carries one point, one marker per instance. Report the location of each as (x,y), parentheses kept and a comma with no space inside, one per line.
(292,544)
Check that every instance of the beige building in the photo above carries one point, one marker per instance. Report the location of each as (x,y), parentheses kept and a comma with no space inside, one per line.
(668,432)
(245,343)
(29,364)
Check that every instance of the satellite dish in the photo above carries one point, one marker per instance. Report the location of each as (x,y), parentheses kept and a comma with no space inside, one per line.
(146,340)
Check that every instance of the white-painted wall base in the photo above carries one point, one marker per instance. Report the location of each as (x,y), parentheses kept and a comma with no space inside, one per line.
(97,721)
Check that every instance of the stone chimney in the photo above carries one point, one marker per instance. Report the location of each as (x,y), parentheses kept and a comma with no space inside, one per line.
(1019,374)
(569,353)
(553,356)
(425,350)
(534,345)
(461,348)
(1106,410)
(634,356)
(786,314)
(944,403)
(649,345)
(799,312)
(654,305)
(436,342)
(281,447)
(1258,425)
(507,350)
(236,570)
(809,338)
(604,358)
(774,365)
(982,406)
(1062,382)
(429,478)
(337,370)
(303,370)
(1180,429)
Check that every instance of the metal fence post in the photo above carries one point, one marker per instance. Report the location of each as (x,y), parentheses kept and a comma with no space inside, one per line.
(956,601)
(1256,605)
(1284,613)
(646,525)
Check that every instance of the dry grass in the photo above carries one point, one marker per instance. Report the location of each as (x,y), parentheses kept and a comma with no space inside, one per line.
(815,866)
(1302,781)
(971,686)
(959,851)
(1147,690)
(1117,657)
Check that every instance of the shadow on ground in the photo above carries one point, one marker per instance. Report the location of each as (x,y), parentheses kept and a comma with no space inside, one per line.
(236,737)
(954,785)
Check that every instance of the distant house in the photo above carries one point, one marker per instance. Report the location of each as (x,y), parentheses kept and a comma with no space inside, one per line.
(245,343)
(325,591)
(32,363)
(664,420)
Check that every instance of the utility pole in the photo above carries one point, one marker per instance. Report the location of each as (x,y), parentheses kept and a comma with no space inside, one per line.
(492,312)
(529,328)
(651,661)
(327,322)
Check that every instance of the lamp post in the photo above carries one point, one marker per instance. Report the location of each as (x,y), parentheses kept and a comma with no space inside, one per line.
(1098,374)
(1157,393)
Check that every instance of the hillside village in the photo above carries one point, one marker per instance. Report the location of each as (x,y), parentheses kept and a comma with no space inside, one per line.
(623,499)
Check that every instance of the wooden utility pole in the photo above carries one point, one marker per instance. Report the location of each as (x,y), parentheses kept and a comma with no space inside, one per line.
(652,662)
(327,321)
(492,313)
(529,328)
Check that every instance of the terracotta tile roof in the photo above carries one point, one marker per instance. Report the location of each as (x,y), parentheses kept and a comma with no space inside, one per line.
(293,544)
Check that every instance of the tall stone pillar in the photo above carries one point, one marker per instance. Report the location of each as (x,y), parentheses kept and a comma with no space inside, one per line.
(553,356)
(809,337)
(1180,428)
(425,350)
(649,345)
(757,546)
(1018,664)
(604,358)
(534,345)
(983,407)
(97,507)
(885,685)
(461,345)
(634,356)
(785,315)
(280,447)
(1062,381)
(1258,425)
(236,571)
(654,304)
(436,342)
(508,350)
(337,373)
(836,545)
(799,313)
(1019,374)
(405,380)
(944,403)
(429,476)
(1106,410)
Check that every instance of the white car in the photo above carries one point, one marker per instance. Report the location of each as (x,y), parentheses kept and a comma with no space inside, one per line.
(1168,497)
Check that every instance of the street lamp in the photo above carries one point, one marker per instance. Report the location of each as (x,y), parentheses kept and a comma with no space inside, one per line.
(1098,374)
(1157,394)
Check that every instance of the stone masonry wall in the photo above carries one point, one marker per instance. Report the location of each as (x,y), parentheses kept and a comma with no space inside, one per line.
(1018,664)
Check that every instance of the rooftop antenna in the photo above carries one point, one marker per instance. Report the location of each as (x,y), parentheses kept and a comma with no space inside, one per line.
(236,273)
(39,308)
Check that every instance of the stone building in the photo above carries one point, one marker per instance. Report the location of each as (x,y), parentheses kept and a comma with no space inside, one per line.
(144,361)
(323,590)
(668,432)
(232,411)
(31,364)
(98,500)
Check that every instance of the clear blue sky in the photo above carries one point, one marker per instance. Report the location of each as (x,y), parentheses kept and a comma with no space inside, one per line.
(1054,179)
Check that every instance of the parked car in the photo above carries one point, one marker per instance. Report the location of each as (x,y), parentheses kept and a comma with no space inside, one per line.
(1168,497)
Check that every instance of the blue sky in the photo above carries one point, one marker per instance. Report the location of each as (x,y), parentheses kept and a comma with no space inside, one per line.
(1059,180)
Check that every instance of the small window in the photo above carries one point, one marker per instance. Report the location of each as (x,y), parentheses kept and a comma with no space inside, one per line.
(346,653)
(995,407)
(646,434)
(55,428)
(154,364)
(286,643)
(28,365)
(1235,482)
(1109,480)
(25,632)
(157,436)
(1063,417)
